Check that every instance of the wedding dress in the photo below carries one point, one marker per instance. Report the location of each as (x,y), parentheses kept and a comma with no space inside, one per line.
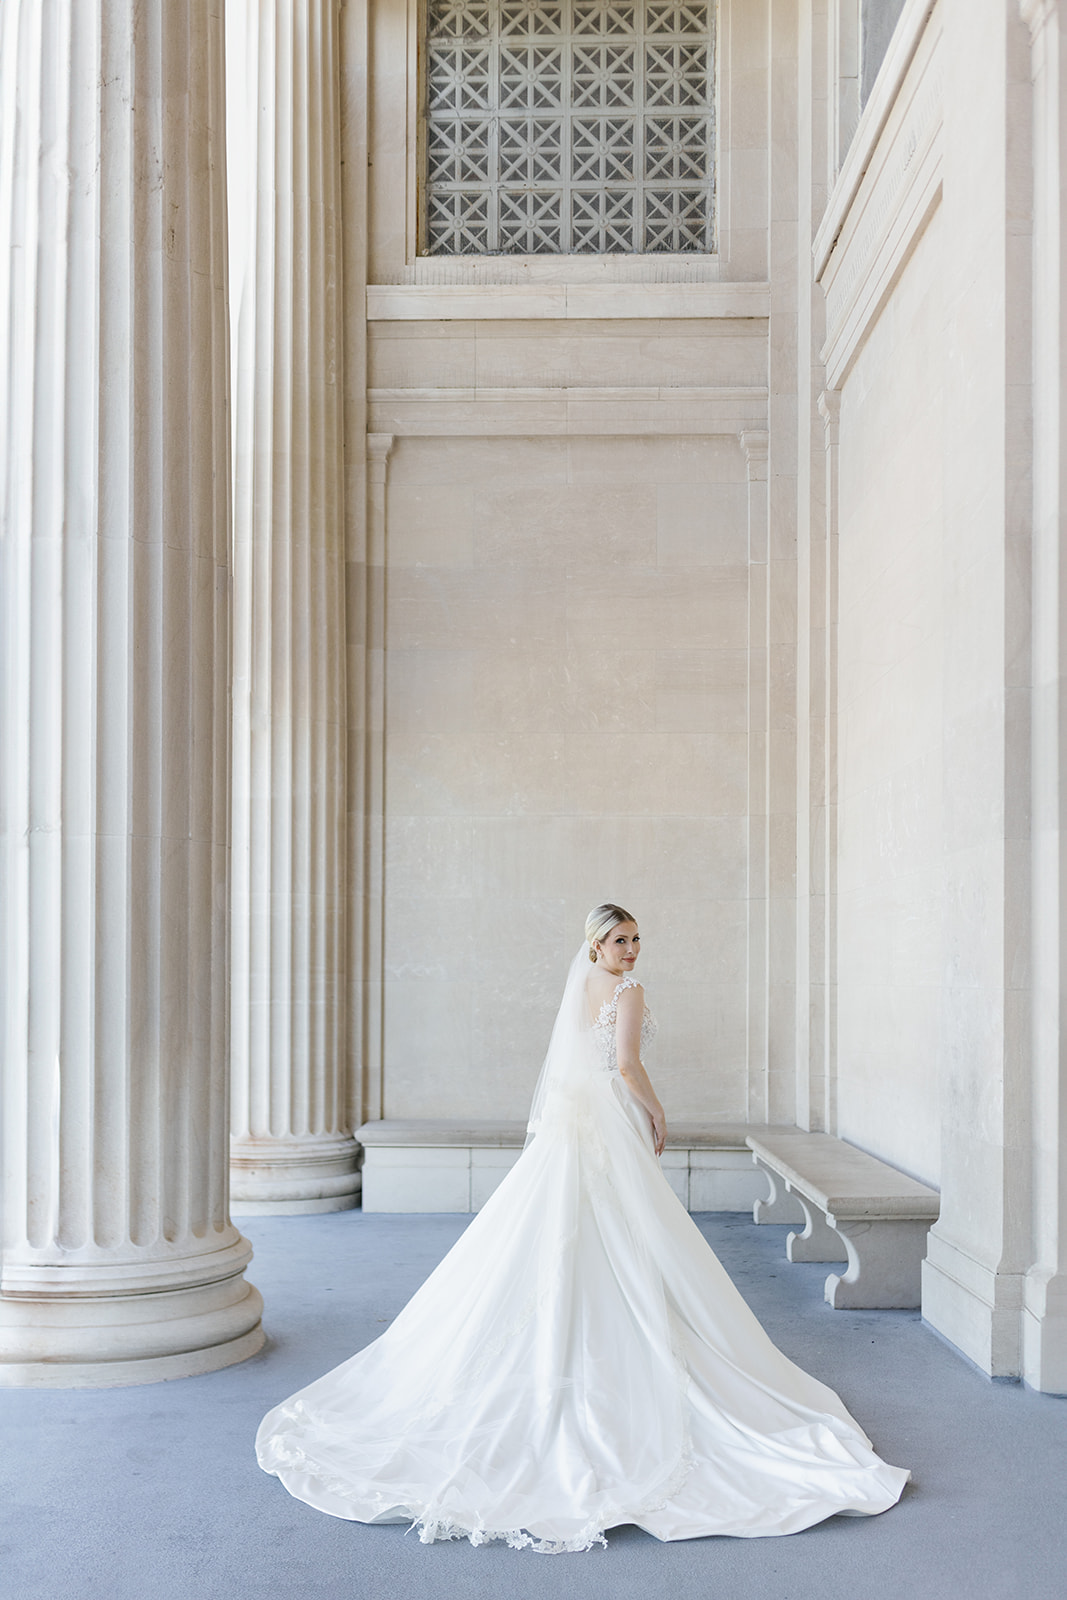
(578,1360)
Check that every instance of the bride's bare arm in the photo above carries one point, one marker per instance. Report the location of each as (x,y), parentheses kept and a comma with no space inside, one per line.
(630,1014)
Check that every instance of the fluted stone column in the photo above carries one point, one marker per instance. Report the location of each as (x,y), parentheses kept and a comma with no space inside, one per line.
(120,1263)
(291,1149)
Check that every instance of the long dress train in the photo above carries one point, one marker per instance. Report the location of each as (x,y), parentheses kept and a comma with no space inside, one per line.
(579,1359)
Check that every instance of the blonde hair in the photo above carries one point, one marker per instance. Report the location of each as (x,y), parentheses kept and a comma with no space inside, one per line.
(600,922)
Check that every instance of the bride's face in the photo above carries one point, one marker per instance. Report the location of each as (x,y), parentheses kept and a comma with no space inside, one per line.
(620,948)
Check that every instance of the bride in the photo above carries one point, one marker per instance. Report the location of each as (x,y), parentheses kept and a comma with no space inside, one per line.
(579,1359)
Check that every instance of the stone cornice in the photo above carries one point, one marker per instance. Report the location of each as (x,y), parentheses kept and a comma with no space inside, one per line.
(633,412)
(520,302)
(902,47)
(899,189)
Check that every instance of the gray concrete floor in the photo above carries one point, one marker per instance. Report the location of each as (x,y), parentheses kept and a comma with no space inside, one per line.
(154,1494)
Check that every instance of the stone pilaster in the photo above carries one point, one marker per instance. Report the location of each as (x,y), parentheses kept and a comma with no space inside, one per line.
(827,114)
(755,444)
(120,1263)
(821,1103)
(291,1148)
(379,448)
(1044,1311)
(980,1248)
(785,362)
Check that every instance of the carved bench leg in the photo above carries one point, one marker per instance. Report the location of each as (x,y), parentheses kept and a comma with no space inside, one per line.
(818,1242)
(884,1264)
(779,1205)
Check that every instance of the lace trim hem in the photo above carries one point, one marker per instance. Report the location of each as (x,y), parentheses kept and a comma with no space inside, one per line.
(432,1529)
(283,1452)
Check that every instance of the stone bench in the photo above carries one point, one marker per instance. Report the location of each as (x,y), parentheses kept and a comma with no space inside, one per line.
(855,1209)
(447,1165)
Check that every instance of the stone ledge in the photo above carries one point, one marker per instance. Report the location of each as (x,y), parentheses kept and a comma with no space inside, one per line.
(487,1135)
(566,409)
(443,1164)
(442,1131)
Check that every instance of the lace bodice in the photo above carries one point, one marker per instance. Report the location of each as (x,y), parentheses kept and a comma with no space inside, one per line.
(608,1016)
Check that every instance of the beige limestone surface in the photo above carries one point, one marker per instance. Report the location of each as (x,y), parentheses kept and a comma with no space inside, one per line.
(891,867)
(566,705)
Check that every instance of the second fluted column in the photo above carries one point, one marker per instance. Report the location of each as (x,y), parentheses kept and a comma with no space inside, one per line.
(291,1150)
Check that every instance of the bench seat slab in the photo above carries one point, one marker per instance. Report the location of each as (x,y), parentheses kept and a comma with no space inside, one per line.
(841,1179)
(857,1209)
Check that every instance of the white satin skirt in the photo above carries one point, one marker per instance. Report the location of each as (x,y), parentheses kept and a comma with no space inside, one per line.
(579,1359)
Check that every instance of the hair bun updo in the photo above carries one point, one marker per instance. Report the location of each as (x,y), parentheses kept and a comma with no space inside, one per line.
(599,923)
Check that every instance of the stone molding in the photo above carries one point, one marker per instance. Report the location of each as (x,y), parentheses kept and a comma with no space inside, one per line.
(1036,13)
(42,1279)
(568,302)
(862,246)
(485,413)
(755,445)
(379,447)
(907,36)
(830,412)
(755,442)
(291,1150)
(573,269)
(286,1177)
(972,1305)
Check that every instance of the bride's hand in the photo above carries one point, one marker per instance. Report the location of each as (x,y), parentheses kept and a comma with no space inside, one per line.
(659,1130)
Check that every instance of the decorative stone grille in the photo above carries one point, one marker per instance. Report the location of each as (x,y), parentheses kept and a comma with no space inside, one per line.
(559,127)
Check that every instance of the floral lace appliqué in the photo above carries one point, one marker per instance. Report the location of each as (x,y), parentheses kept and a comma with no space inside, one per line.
(608,1016)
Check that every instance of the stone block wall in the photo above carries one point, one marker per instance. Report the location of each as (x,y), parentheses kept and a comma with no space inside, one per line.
(565,722)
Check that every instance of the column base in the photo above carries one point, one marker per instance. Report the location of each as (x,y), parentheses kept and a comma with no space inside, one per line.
(973,1306)
(294,1177)
(102,1329)
(1044,1331)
